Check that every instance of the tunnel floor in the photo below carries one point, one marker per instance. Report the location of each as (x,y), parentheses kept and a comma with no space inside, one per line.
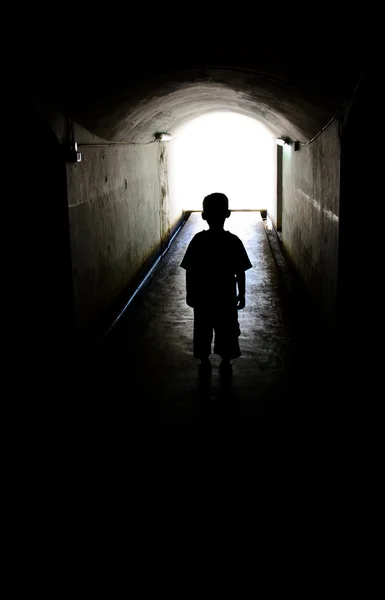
(143,377)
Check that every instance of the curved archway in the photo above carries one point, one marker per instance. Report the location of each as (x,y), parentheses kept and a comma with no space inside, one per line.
(120,212)
(124,102)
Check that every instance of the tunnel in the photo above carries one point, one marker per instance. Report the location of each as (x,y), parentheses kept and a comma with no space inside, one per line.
(109,221)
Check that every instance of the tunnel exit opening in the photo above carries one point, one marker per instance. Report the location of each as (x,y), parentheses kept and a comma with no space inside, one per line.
(223,152)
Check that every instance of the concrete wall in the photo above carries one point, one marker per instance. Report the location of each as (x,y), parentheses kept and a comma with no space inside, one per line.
(44,274)
(278,209)
(361,251)
(118,212)
(310,217)
(270,199)
(171,210)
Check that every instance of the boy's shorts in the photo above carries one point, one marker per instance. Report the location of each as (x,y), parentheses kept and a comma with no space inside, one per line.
(224,322)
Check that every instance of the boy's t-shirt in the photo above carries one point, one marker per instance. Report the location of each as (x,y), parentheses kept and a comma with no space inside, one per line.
(214,259)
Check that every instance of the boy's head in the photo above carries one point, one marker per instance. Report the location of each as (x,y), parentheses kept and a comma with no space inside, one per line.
(215,210)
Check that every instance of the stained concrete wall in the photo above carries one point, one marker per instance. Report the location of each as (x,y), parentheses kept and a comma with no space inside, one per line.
(278,209)
(310,217)
(360,314)
(271,201)
(44,274)
(119,222)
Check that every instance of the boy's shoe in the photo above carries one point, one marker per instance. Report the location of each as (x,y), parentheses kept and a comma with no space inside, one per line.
(226,369)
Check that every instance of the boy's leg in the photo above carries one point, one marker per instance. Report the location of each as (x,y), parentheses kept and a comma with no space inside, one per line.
(225,368)
(203,333)
(227,334)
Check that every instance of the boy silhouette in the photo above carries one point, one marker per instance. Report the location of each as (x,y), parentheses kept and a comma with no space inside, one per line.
(215,263)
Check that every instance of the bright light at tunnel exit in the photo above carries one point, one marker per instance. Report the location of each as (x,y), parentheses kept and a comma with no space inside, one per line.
(223,152)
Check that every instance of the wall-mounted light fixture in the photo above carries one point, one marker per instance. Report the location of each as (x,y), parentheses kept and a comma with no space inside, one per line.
(282,141)
(296,146)
(73,155)
(161,136)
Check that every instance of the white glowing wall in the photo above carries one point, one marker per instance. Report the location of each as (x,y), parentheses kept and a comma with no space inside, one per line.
(223,152)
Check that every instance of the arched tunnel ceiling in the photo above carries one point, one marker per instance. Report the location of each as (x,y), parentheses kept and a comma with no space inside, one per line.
(129,100)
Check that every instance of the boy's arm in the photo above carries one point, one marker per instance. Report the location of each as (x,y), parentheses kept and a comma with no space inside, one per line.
(242,265)
(190,287)
(241,280)
(187,263)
